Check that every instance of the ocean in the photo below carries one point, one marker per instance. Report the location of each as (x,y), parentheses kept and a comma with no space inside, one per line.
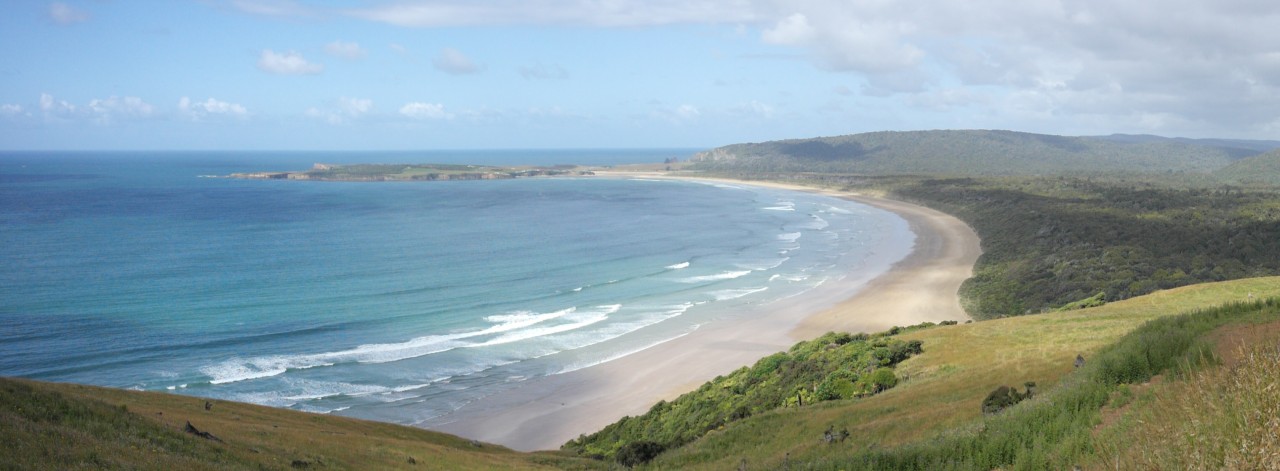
(390,301)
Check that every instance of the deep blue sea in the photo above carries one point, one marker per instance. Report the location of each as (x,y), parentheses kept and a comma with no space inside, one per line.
(391,301)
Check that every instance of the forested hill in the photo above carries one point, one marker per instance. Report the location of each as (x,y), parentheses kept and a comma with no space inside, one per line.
(1259,169)
(981,152)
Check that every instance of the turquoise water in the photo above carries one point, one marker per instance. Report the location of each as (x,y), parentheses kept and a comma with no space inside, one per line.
(392,301)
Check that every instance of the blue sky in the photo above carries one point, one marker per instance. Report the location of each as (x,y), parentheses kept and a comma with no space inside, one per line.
(483,74)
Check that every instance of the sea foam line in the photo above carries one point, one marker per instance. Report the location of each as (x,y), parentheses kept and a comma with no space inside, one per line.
(244,369)
(727,294)
(728,275)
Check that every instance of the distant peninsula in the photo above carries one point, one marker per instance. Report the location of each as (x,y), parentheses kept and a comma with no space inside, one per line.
(414,172)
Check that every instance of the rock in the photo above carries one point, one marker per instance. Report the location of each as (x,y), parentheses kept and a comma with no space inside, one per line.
(191,429)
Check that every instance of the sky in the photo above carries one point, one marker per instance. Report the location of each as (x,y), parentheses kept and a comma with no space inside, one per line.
(509,74)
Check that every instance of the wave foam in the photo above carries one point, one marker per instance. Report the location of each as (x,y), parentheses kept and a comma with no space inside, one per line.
(783,206)
(790,236)
(245,369)
(727,294)
(729,275)
(678,266)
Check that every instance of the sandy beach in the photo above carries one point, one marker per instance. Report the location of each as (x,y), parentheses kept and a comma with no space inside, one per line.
(546,412)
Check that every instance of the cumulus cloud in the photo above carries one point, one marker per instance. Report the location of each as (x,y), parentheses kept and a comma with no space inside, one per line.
(9,109)
(288,63)
(453,61)
(346,109)
(543,71)
(108,109)
(419,110)
(211,107)
(57,107)
(345,50)
(64,14)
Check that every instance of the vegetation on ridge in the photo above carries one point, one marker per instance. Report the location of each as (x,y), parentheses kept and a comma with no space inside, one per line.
(947,382)
(980,153)
(834,366)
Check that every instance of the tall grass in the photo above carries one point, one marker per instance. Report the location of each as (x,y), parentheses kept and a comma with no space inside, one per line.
(1227,418)
(1054,431)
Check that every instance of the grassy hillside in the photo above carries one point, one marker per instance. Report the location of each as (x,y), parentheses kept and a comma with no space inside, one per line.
(943,388)
(65,426)
(972,153)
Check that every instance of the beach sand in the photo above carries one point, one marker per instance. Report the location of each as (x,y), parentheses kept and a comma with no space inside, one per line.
(545,412)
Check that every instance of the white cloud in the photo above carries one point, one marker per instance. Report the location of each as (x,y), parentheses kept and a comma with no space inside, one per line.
(210,107)
(108,109)
(288,63)
(792,30)
(419,110)
(10,109)
(55,107)
(453,61)
(345,50)
(543,71)
(64,14)
(347,109)
(615,13)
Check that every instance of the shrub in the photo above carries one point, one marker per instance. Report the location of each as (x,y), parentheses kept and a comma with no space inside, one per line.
(882,379)
(637,453)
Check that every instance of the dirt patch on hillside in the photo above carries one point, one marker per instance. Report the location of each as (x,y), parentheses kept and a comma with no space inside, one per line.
(1231,341)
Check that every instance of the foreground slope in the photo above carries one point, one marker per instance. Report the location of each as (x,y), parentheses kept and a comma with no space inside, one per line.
(67,426)
(944,386)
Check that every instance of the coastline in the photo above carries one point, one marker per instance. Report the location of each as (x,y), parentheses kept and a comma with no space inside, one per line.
(921,287)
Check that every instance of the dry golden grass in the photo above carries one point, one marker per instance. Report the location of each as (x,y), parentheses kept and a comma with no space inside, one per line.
(945,385)
(1221,418)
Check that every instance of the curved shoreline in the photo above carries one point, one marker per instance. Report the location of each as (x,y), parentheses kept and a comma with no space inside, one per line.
(546,412)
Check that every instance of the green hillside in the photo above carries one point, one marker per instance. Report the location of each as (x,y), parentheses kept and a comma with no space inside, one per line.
(934,416)
(972,152)
(66,426)
(1261,169)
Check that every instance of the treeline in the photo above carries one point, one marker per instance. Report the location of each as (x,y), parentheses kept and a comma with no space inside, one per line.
(834,366)
(1049,242)
(1061,242)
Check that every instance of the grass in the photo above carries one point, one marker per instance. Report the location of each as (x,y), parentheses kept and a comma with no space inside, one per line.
(1222,418)
(66,426)
(944,386)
